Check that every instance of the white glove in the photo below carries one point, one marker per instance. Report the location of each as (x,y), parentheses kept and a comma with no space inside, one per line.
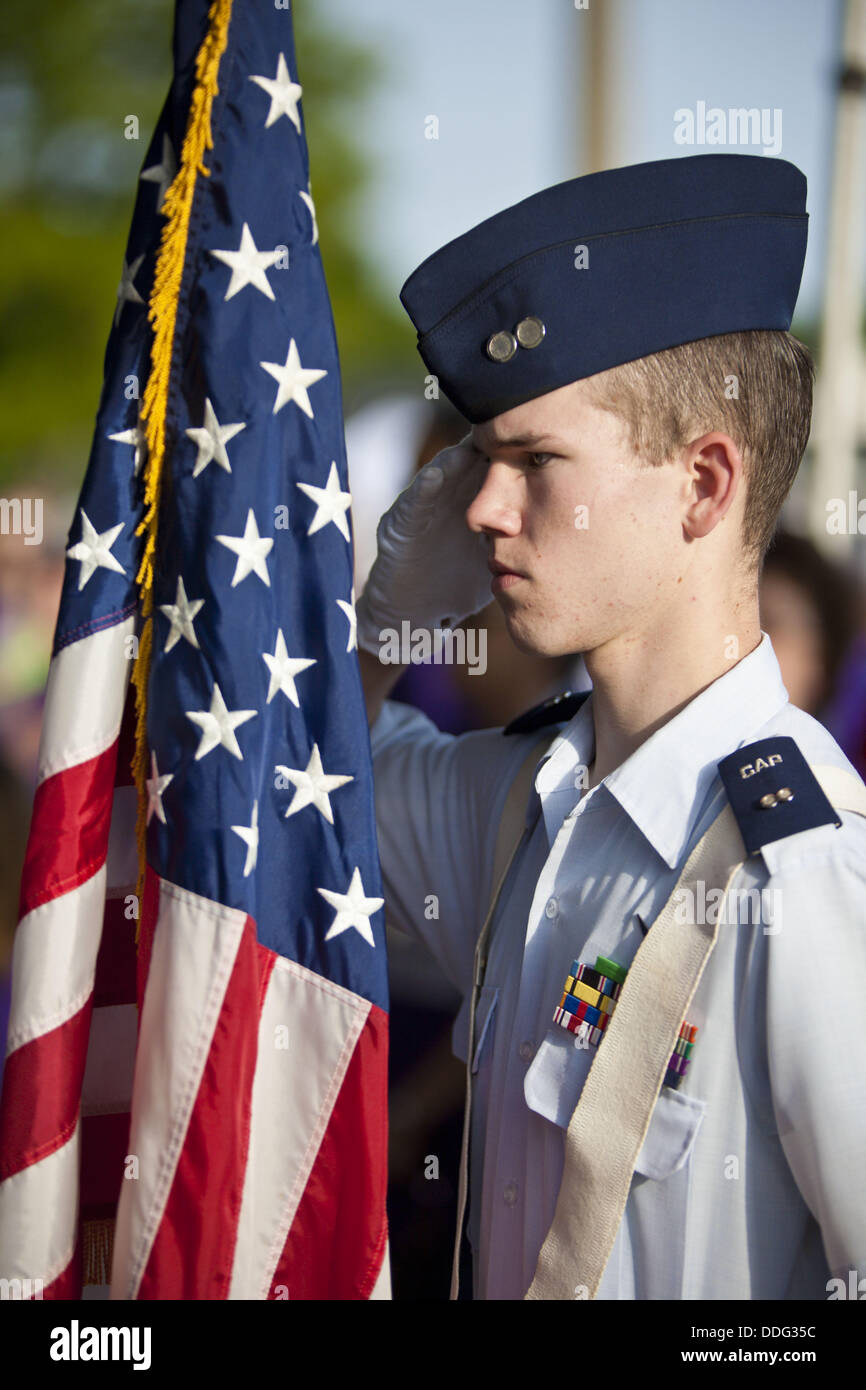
(429,568)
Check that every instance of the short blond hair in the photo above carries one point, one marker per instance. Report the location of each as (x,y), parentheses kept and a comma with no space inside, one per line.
(755,386)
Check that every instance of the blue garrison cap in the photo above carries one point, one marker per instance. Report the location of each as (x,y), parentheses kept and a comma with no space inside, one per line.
(602,269)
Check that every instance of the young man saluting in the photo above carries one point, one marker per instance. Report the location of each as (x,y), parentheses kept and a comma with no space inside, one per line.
(663,1022)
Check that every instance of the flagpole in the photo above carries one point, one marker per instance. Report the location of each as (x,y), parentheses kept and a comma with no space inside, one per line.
(837,413)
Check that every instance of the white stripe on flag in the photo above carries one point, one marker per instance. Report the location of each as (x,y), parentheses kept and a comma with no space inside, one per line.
(307,1034)
(122,858)
(84,699)
(54,961)
(194,948)
(107,1085)
(39,1215)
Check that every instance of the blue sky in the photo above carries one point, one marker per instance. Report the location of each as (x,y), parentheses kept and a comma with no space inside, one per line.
(504,78)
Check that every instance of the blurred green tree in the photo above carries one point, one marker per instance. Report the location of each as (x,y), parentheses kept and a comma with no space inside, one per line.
(69,77)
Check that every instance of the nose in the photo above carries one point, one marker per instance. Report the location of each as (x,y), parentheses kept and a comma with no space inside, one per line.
(495,507)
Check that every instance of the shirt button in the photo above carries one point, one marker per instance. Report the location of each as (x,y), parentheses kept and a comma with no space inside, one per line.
(552,908)
(510,1194)
(525,1051)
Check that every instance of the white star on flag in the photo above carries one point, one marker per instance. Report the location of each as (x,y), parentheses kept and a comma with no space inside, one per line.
(283,669)
(136,437)
(181,614)
(312,786)
(248,265)
(163,173)
(251,550)
(308,199)
(349,610)
(331,504)
(250,836)
(284,94)
(94,549)
(156,785)
(212,438)
(218,725)
(126,289)
(353,909)
(293,380)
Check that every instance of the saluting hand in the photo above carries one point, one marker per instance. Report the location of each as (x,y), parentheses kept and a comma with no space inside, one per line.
(430,569)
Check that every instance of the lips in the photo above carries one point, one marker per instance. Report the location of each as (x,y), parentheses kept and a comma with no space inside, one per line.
(496,567)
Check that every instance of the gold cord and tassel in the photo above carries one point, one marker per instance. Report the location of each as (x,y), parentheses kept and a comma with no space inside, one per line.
(162,315)
(98,1235)
(98,1248)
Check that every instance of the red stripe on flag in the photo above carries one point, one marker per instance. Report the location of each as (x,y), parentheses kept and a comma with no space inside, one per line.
(115,963)
(191,1257)
(126,743)
(42,1093)
(69,830)
(67,1285)
(104,1147)
(336,1244)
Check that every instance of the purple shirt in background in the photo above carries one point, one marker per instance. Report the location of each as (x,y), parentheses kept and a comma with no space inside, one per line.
(845,715)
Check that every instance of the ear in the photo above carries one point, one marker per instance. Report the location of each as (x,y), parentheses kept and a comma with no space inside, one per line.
(714,466)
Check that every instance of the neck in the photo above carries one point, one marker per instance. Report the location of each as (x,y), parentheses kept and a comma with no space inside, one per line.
(640,682)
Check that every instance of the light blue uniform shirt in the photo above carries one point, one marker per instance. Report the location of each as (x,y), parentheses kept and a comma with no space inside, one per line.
(750,1182)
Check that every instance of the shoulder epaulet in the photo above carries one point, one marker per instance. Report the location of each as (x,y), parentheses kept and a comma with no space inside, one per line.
(557,710)
(773,792)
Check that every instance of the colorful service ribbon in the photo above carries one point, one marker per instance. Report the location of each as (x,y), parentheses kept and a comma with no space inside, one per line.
(588,1002)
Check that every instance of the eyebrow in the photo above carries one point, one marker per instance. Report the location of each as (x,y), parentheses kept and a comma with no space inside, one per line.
(524,441)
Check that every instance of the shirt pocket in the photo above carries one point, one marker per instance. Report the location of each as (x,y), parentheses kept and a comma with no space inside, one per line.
(672,1132)
(484,1012)
(552,1088)
(554,1079)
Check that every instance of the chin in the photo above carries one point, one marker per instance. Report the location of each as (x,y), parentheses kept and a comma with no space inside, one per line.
(532,639)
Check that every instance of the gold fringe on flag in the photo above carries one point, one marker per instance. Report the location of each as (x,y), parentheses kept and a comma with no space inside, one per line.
(162,315)
(98,1247)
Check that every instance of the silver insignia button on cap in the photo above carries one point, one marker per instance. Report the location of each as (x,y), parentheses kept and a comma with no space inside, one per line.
(530,332)
(501,346)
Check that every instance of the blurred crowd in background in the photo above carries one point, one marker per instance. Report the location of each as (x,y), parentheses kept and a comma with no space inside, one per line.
(63,243)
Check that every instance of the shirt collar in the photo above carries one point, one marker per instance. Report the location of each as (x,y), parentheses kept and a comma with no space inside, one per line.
(562,770)
(663,785)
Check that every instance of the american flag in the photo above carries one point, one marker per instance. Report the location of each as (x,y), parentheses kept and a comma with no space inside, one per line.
(200,1113)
